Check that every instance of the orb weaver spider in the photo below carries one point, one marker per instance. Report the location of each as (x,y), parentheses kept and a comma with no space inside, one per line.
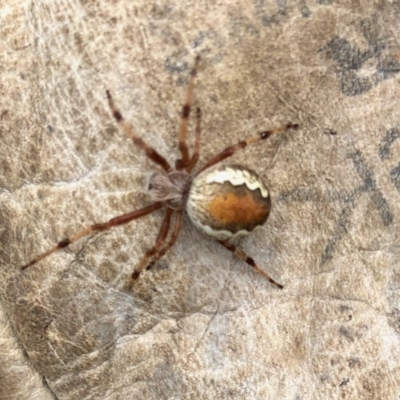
(223,201)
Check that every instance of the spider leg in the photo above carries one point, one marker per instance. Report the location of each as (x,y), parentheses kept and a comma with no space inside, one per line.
(120,220)
(196,151)
(230,151)
(183,162)
(243,256)
(174,236)
(150,152)
(162,236)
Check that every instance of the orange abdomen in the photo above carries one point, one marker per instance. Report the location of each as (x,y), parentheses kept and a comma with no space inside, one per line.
(228,201)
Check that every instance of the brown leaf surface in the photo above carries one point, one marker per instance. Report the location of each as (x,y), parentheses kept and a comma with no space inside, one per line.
(201,325)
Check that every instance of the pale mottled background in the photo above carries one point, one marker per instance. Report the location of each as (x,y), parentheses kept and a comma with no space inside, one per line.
(201,325)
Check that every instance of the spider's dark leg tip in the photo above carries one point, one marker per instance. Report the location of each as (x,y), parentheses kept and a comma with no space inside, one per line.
(117,115)
(24,267)
(294,126)
(135,275)
(265,134)
(278,285)
(150,266)
(64,243)
(186,111)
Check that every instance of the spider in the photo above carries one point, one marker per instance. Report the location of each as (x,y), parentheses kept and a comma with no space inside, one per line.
(223,201)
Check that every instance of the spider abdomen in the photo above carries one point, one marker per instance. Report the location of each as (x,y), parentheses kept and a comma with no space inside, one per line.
(228,201)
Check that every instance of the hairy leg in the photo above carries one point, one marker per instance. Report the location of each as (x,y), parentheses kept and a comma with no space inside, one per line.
(150,152)
(174,236)
(230,151)
(243,256)
(196,151)
(162,236)
(120,220)
(183,162)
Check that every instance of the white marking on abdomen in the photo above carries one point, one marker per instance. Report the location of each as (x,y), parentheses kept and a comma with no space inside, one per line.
(237,178)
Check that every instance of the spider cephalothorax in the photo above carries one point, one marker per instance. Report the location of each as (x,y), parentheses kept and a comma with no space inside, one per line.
(224,201)
(172,188)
